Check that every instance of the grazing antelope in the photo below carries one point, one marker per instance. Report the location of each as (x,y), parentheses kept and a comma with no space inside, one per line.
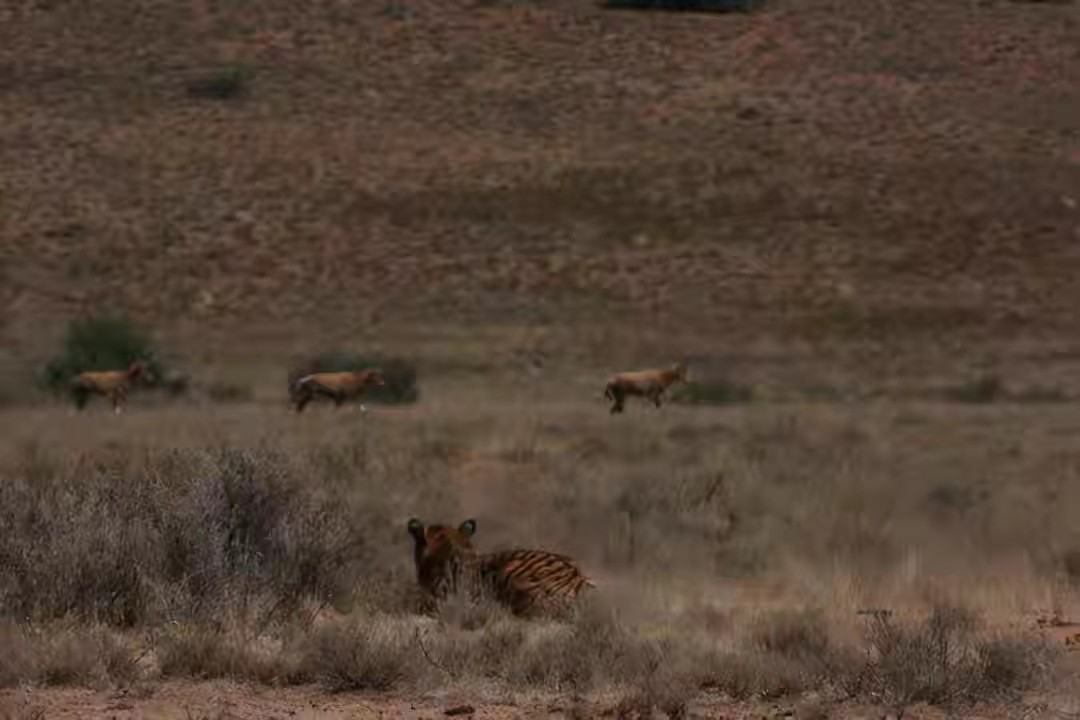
(339,387)
(528,582)
(649,384)
(112,384)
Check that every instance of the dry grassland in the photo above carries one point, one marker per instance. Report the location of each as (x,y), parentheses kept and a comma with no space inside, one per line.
(736,550)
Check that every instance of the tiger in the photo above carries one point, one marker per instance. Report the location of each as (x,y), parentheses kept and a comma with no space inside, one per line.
(528,582)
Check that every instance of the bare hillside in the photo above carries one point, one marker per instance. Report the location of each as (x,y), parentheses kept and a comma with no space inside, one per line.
(821,170)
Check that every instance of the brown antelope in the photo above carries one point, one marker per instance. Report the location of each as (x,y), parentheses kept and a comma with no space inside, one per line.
(649,384)
(528,582)
(339,387)
(112,384)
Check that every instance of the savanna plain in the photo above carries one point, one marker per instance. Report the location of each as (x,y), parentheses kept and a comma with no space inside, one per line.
(857,223)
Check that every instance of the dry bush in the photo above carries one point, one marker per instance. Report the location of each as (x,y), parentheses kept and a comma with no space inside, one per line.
(595,650)
(783,653)
(209,652)
(64,654)
(796,634)
(944,659)
(749,673)
(137,539)
(17,662)
(375,653)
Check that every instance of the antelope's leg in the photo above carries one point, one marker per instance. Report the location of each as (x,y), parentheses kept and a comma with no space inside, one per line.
(616,398)
(302,401)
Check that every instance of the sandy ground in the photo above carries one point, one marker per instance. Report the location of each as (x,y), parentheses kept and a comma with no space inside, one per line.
(222,700)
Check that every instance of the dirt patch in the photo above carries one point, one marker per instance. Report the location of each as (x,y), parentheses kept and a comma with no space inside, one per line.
(231,701)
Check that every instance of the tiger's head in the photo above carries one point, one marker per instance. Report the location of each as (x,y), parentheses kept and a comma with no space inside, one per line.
(439,553)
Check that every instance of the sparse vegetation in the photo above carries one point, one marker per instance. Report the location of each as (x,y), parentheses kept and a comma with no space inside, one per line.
(226,391)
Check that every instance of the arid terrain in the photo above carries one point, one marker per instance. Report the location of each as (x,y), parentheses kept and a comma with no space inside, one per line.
(858,222)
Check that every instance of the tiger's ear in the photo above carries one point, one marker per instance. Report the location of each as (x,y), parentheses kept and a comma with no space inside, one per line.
(467,528)
(416,528)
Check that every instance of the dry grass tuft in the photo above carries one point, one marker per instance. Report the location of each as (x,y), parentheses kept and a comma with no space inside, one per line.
(374,654)
(207,652)
(64,654)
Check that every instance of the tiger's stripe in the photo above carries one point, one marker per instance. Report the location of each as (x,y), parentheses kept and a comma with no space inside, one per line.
(531,581)
(528,582)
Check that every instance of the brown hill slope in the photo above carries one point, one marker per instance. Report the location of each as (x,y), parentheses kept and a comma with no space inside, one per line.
(822,170)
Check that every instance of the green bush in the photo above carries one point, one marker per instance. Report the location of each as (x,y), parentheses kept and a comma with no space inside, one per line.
(228,82)
(715,6)
(101,342)
(712,392)
(400,375)
(983,389)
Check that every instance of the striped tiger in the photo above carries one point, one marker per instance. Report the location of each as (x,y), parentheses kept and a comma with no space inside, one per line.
(528,582)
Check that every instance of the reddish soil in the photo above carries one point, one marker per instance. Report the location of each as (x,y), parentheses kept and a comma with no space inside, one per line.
(228,701)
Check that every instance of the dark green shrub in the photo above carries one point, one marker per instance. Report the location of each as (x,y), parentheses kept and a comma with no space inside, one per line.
(712,392)
(983,389)
(101,342)
(400,375)
(715,6)
(991,388)
(228,82)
